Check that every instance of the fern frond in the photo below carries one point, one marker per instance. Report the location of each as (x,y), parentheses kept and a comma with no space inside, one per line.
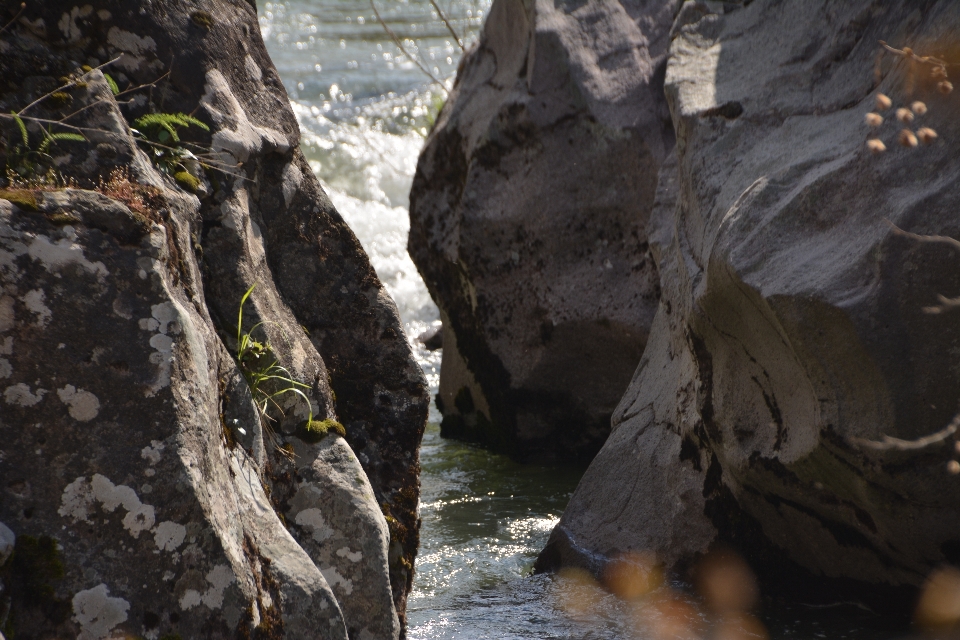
(186,121)
(113,83)
(64,135)
(165,121)
(23,129)
(51,138)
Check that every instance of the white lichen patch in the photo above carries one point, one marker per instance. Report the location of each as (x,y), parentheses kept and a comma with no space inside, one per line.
(54,256)
(33,301)
(220,577)
(237,138)
(97,613)
(333,578)
(190,599)
(68,23)
(312,520)
(82,405)
(165,320)
(20,395)
(131,44)
(151,453)
(140,517)
(77,500)
(79,496)
(167,317)
(169,535)
(6,369)
(6,346)
(352,556)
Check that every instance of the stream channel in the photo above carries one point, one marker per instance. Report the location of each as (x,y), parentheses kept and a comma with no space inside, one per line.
(364,111)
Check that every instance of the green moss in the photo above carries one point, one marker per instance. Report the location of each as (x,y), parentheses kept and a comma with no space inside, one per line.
(187,180)
(61,218)
(171,636)
(317,430)
(23,198)
(30,575)
(60,99)
(202,19)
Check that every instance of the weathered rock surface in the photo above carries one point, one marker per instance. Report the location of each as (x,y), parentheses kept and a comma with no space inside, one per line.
(793,400)
(142,493)
(528,215)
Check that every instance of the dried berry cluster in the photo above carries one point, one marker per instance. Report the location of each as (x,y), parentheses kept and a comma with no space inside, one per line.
(905,116)
(917,109)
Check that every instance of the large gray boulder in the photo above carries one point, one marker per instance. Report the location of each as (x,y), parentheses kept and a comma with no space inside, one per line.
(144,494)
(794,401)
(528,214)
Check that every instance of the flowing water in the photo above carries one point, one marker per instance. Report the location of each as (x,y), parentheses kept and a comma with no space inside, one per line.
(364,109)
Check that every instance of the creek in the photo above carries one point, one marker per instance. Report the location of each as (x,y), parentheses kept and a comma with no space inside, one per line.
(364,110)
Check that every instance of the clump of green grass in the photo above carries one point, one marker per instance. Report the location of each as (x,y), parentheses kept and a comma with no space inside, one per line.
(265,377)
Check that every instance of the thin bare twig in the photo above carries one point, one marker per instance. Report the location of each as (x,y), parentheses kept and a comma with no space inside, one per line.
(447,22)
(23,5)
(61,88)
(946,304)
(908,53)
(889,443)
(953,242)
(141,86)
(396,41)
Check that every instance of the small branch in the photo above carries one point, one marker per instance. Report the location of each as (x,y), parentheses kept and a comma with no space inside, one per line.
(946,304)
(447,22)
(397,42)
(908,53)
(142,86)
(953,242)
(23,5)
(888,443)
(66,86)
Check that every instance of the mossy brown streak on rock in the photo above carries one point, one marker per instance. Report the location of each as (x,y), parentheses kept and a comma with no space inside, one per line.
(24,198)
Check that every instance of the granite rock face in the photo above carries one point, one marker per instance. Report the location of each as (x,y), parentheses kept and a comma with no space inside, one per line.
(528,215)
(794,401)
(143,493)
